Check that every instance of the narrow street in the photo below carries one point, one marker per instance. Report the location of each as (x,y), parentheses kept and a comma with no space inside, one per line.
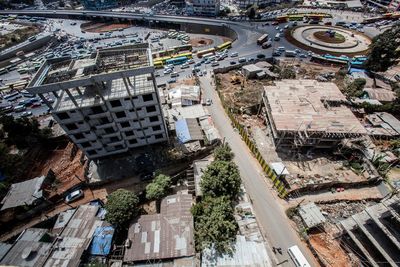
(269,212)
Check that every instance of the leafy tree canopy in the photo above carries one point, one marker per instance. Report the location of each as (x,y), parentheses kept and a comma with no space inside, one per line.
(214,224)
(385,50)
(355,88)
(159,187)
(223,152)
(221,178)
(121,207)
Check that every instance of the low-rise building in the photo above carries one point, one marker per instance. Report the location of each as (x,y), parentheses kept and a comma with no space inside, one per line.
(206,8)
(164,236)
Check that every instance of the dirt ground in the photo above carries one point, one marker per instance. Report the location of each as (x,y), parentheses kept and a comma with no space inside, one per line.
(244,93)
(103,27)
(200,42)
(330,250)
(17,36)
(306,70)
(66,166)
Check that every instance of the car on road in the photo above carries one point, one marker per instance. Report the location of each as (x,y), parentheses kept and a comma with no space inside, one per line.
(19,108)
(277,28)
(208,101)
(167,71)
(234,54)
(276,54)
(26,114)
(232,62)
(214,64)
(260,56)
(185,66)
(74,195)
(190,61)
(172,80)
(286,26)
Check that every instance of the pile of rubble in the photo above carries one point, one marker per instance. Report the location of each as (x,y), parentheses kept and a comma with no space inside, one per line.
(335,212)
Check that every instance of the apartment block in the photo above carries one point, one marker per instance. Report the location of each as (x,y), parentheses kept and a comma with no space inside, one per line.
(108,103)
(206,8)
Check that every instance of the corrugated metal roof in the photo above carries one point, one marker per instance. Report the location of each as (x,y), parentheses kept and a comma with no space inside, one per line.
(4,248)
(166,235)
(311,215)
(24,193)
(188,130)
(390,120)
(28,249)
(102,240)
(245,253)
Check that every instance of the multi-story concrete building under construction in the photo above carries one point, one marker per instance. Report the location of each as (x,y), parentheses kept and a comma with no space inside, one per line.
(107,103)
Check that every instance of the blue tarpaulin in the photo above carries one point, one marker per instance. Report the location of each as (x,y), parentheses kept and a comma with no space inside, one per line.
(101,242)
(352,70)
(182,131)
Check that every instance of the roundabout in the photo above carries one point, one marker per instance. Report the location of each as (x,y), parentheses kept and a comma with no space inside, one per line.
(328,39)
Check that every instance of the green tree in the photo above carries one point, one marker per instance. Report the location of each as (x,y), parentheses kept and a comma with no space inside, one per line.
(385,50)
(252,13)
(121,207)
(355,88)
(23,132)
(214,224)
(223,152)
(221,178)
(159,187)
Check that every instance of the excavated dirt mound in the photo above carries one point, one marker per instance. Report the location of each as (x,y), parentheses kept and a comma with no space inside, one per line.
(324,37)
(201,41)
(103,27)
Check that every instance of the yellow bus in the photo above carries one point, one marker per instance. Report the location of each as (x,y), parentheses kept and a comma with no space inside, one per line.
(226,45)
(162,59)
(203,52)
(188,55)
(158,64)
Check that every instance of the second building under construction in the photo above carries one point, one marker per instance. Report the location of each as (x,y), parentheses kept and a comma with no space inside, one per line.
(308,113)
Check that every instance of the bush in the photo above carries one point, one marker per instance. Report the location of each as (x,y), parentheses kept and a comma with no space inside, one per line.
(223,152)
(159,187)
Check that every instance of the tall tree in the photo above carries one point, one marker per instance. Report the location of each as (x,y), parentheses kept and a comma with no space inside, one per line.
(221,178)
(214,224)
(223,152)
(121,207)
(385,50)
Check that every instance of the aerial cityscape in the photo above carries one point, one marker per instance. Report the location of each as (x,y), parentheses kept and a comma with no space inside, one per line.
(185,133)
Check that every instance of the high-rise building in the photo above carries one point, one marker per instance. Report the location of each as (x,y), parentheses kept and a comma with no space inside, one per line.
(108,103)
(207,8)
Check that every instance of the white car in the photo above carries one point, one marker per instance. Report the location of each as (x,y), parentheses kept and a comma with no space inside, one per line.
(234,54)
(74,195)
(167,71)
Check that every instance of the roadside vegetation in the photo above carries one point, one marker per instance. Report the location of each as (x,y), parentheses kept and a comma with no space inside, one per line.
(214,223)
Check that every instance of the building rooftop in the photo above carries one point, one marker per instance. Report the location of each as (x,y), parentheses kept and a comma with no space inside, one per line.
(113,89)
(381,95)
(75,238)
(24,193)
(311,215)
(312,106)
(188,130)
(30,249)
(245,253)
(163,236)
(383,124)
(102,240)
(106,64)
(184,95)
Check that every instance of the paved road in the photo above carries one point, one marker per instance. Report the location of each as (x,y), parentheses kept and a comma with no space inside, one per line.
(269,212)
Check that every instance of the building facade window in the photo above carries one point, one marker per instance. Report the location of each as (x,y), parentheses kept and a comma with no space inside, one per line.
(115,103)
(148,97)
(151,109)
